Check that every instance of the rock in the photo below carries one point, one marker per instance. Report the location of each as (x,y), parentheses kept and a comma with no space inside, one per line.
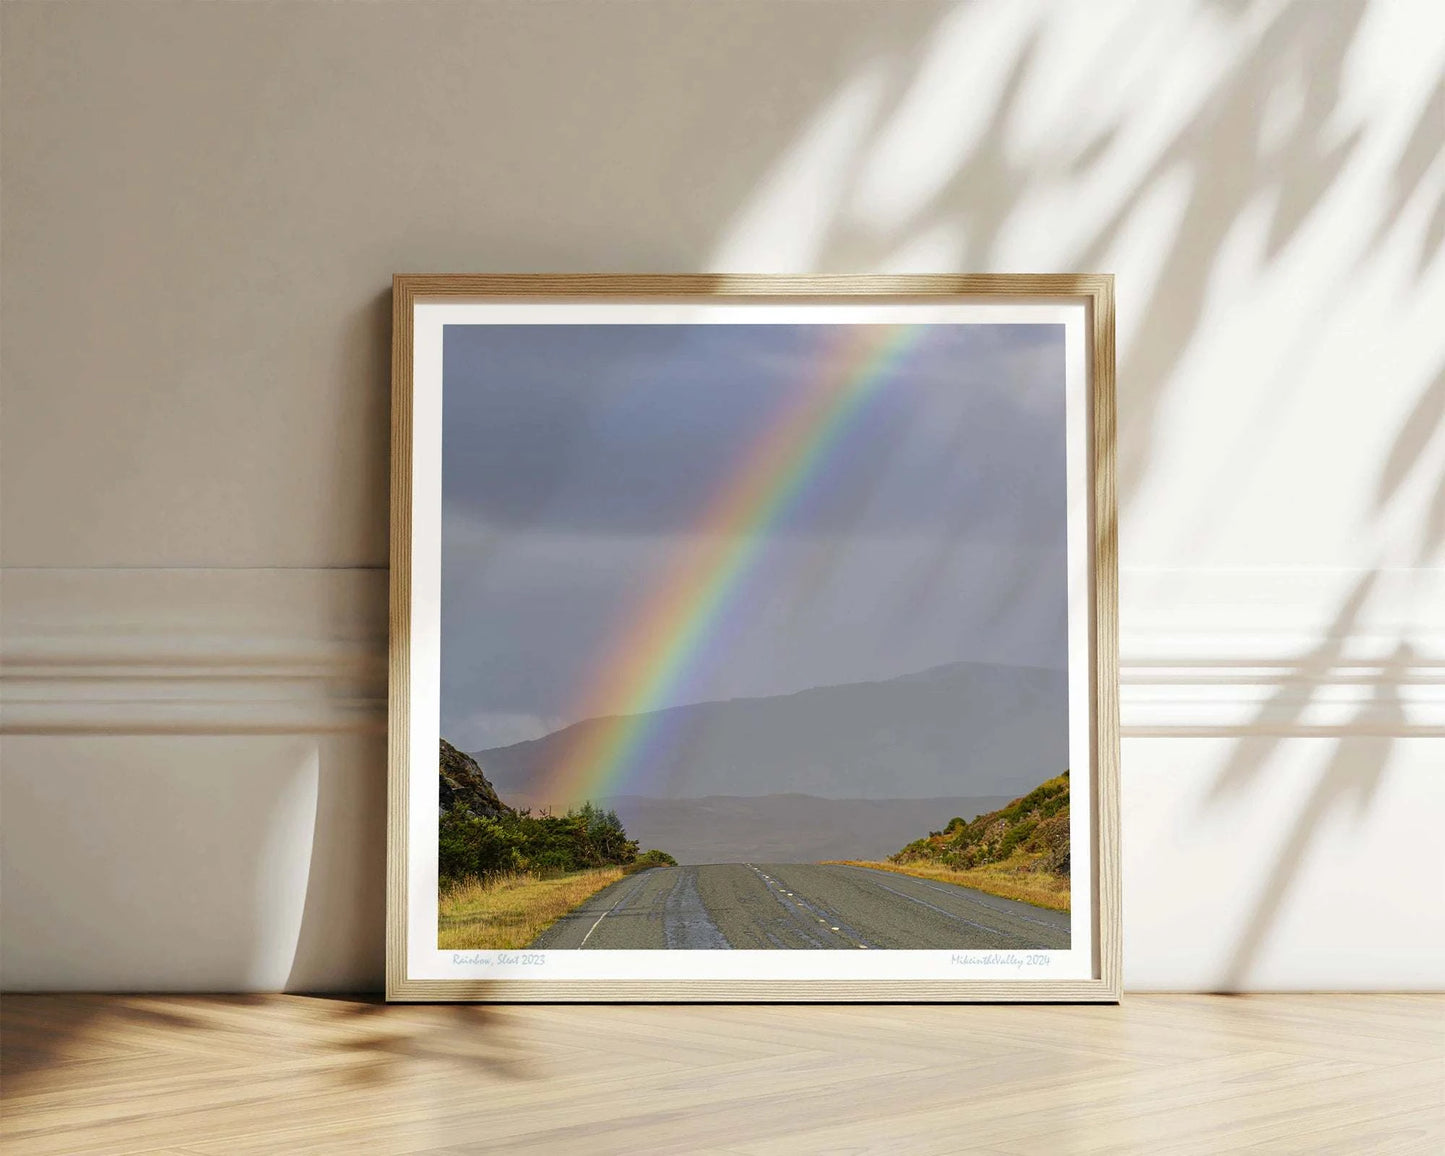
(464,786)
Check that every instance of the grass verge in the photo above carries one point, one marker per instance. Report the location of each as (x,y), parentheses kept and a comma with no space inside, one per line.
(1036,887)
(510,911)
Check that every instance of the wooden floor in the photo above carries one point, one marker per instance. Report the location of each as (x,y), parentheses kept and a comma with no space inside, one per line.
(289,1074)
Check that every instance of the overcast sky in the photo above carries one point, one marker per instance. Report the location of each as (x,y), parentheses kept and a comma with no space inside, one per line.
(577,459)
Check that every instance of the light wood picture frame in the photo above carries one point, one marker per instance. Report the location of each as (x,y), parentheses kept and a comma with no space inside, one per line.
(712,487)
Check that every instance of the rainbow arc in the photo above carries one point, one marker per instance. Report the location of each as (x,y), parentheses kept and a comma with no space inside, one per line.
(684,614)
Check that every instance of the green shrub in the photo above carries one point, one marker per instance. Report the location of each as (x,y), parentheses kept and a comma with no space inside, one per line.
(482,848)
(1015,836)
(651,858)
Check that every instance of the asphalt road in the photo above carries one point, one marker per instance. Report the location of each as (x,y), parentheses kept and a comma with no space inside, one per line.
(803,905)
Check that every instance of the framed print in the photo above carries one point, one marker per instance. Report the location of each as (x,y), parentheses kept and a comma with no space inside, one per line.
(752,638)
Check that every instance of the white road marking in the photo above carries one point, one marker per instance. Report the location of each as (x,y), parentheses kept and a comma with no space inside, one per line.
(593,928)
(605,914)
(781,891)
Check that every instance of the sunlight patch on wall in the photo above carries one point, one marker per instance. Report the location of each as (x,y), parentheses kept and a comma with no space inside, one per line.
(785,224)
(284,859)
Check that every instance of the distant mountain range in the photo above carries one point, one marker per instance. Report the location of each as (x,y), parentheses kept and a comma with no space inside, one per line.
(787,828)
(959,731)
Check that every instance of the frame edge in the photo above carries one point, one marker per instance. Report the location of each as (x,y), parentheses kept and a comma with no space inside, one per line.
(1098,290)
(1108,891)
(399,640)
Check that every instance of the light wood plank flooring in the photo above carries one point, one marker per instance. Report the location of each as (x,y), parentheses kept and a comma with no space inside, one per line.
(228,1076)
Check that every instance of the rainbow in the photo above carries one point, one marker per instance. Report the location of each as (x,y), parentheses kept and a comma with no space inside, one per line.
(661,644)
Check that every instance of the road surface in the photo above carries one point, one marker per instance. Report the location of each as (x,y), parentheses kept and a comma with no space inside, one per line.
(802,905)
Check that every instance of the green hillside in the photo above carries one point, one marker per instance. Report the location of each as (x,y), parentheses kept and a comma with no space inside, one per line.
(1020,851)
(1031,833)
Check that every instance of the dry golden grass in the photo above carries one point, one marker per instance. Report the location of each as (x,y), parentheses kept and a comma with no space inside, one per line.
(1003,879)
(510,912)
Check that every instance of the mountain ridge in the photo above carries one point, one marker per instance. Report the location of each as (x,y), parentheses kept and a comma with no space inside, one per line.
(960,729)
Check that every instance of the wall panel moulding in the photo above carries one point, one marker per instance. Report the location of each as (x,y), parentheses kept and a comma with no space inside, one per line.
(193,651)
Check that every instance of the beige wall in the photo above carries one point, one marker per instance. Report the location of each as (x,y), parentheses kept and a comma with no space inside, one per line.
(202,208)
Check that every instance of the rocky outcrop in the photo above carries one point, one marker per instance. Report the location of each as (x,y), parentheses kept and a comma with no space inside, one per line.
(464,787)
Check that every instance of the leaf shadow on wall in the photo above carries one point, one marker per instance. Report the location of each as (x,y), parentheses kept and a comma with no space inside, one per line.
(1224,156)
(1230,161)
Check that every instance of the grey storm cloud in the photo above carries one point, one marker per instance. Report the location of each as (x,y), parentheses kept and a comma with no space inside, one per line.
(575,458)
(630,429)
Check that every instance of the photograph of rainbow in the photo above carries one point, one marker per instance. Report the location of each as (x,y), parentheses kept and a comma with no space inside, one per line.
(754,636)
